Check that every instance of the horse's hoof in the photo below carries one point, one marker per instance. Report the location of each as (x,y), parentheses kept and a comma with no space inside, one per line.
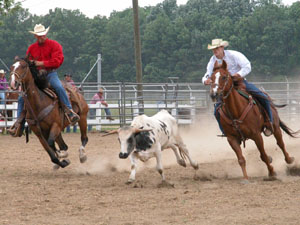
(62,154)
(65,163)
(83,158)
(245,181)
(290,160)
(56,167)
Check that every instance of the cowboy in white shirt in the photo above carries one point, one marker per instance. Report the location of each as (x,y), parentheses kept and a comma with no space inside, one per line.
(238,66)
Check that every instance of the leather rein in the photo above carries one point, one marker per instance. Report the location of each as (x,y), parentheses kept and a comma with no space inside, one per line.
(227,116)
(36,119)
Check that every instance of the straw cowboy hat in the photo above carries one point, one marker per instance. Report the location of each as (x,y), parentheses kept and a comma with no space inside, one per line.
(100,90)
(2,71)
(215,43)
(39,30)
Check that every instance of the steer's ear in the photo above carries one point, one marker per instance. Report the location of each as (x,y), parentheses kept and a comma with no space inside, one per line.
(111,132)
(137,130)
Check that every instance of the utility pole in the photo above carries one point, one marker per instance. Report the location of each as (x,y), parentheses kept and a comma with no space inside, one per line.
(138,57)
(99,80)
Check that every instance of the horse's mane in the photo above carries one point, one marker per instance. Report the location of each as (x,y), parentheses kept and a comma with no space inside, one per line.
(40,78)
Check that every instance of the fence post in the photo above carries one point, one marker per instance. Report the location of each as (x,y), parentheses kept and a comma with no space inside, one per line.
(98,116)
(123,104)
(166,96)
(288,96)
(176,102)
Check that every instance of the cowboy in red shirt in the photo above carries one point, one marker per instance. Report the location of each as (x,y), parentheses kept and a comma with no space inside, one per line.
(47,55)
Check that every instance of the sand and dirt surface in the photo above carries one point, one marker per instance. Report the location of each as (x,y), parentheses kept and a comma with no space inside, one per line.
(32,193)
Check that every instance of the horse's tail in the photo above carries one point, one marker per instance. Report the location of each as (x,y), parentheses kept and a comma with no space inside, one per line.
(288,130)
(278,106)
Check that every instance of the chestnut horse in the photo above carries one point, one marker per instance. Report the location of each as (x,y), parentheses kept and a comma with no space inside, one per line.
(45,116)
(242,119)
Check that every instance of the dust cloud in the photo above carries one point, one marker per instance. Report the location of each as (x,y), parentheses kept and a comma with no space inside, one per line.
(205,148)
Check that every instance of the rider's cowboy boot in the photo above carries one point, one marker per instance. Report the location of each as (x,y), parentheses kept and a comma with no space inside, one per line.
(16,130)
(73,117)
(268,128)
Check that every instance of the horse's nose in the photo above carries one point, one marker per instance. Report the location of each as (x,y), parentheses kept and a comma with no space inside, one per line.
(123,155)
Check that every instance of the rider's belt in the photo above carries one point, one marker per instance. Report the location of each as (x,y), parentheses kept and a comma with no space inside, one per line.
(51,70)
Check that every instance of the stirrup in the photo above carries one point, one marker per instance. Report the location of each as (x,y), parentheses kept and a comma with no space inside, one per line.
(73,117)
(267,132)
(15,130)
(268,129)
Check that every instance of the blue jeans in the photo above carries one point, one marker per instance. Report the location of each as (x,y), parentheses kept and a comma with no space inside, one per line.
(19,111)
(20,105)
(253,90)
(59,89)
(68,129)
(107,111)
(2,97)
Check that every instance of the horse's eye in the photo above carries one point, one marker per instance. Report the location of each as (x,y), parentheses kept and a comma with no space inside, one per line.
(223,78)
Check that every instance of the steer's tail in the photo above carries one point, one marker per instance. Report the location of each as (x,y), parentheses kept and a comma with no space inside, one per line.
(184,153)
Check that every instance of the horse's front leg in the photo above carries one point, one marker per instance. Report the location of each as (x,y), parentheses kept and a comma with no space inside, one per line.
(54,135)
(235,145)
(51,152)
(63,147)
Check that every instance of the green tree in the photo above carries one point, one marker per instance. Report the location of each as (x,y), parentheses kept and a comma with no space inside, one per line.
(8,6)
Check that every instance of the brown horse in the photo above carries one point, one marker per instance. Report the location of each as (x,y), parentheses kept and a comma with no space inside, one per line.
(242,119)
(44,114)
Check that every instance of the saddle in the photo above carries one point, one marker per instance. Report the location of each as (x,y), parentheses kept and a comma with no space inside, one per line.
(40,79)
(241,88)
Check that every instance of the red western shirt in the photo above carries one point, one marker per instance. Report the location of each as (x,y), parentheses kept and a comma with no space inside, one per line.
(50,52)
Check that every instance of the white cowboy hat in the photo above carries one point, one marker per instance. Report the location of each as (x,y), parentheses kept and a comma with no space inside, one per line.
(40,30)
(2,71)
(215,43)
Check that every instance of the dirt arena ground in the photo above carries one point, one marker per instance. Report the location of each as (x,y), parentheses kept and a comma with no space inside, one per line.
(31,193)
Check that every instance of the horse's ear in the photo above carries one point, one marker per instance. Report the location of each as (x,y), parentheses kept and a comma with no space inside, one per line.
(216,66)
(17,58)
(26,58)
(224,65)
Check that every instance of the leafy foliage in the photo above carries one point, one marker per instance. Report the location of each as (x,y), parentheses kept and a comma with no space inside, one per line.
(174,38)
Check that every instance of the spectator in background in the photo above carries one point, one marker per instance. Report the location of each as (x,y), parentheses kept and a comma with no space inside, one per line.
(68,79)
(98,97)
(3,86)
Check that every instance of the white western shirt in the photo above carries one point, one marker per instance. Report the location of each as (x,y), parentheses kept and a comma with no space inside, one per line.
(236,63)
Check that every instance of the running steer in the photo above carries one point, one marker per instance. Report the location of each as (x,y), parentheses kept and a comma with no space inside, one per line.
(147,137)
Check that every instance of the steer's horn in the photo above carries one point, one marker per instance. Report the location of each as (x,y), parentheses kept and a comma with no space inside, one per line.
(111,132)
(137,130)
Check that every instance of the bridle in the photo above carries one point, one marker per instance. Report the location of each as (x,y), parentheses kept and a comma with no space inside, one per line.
(225,85)
(19,77)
